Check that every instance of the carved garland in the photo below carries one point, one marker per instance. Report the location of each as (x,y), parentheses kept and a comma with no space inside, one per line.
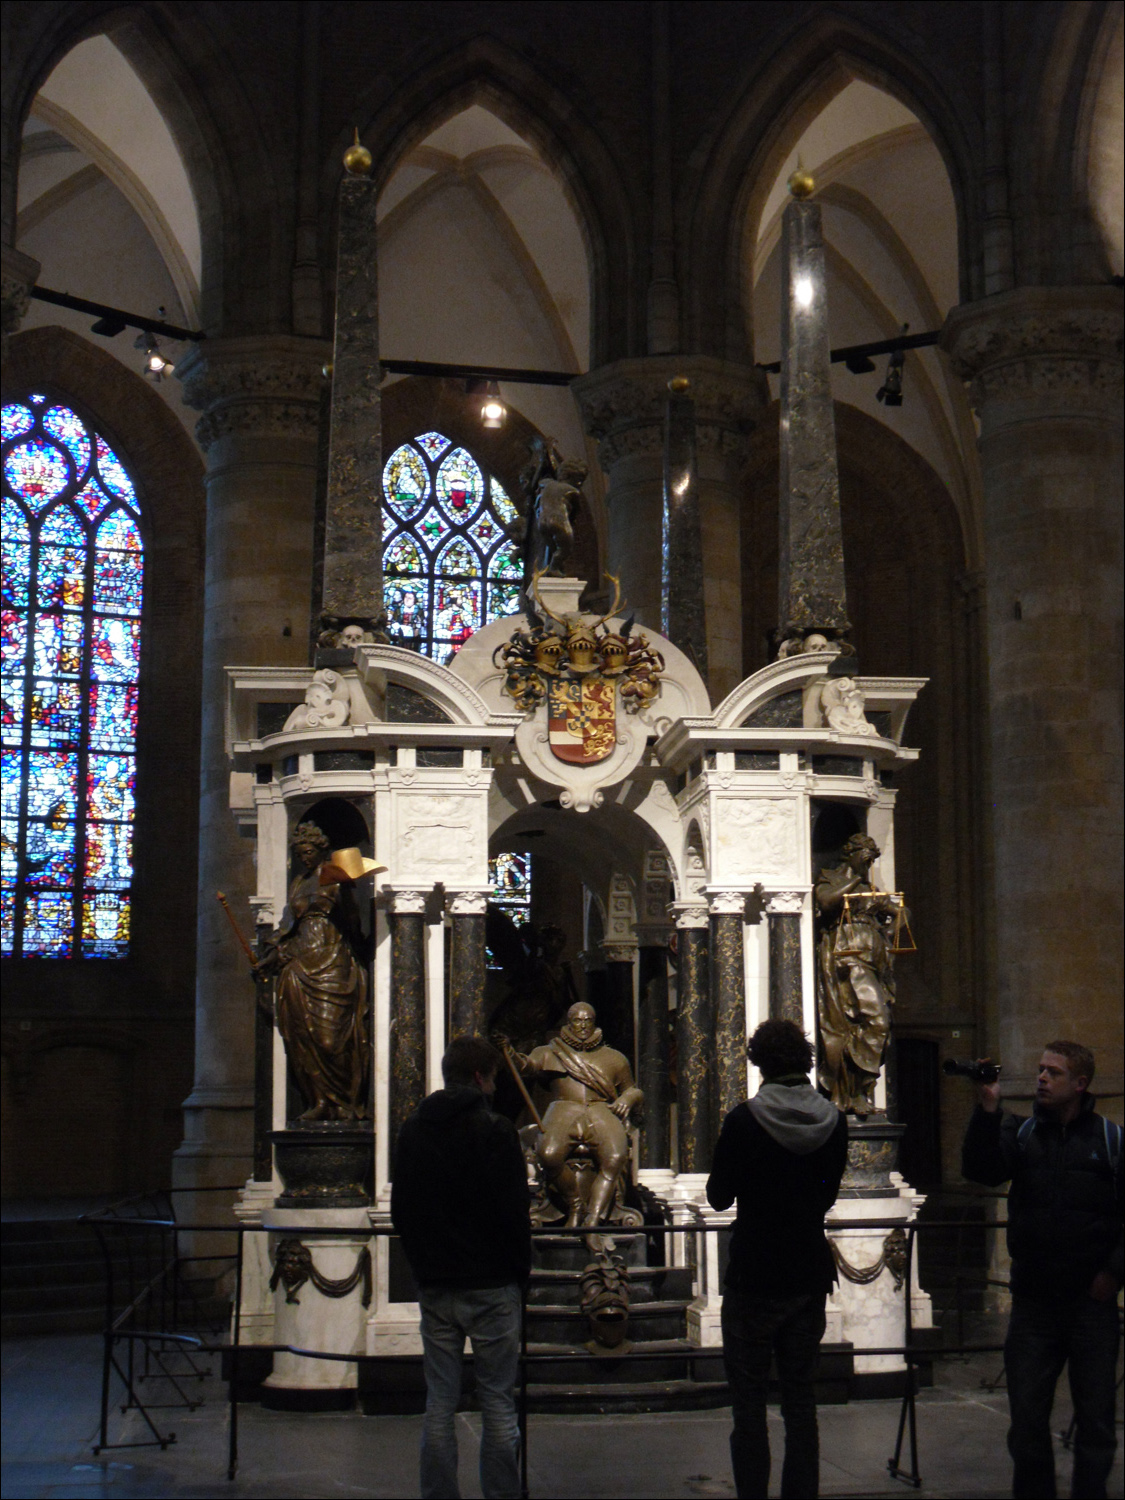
(892,1259)
(293,1266)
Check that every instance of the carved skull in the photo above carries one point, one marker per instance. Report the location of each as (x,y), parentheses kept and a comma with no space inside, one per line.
(351,636)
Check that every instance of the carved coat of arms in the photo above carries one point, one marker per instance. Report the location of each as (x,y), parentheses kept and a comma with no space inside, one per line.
(583,672)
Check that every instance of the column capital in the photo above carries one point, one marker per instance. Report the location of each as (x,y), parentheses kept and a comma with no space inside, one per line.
(623,403)
(1039,351)
(261,386)
(466,903)
(785,903)
(18,274)
(618,953)
(409,903)
(690,915)
(727,903)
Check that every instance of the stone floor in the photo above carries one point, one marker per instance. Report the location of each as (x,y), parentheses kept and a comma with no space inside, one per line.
(51,1400)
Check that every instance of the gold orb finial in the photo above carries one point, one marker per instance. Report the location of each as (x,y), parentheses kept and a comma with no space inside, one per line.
(679,385)
(357,158)
(801,183)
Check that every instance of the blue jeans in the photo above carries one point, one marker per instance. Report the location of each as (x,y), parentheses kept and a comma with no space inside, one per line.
(754,1330)
(490,1319)
(1042,1337)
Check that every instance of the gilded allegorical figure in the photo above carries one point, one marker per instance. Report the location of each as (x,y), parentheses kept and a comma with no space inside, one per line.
(321,987)
(855,982)
(592,1094)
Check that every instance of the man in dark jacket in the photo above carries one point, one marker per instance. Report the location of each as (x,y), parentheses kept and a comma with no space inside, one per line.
(1065,1240)
(782,1155)
(460,1202)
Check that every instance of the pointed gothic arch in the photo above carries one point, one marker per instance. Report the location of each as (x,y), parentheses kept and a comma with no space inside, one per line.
(484,71)
(735,165)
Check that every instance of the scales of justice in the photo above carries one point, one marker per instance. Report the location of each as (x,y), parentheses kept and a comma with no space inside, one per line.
(738,863)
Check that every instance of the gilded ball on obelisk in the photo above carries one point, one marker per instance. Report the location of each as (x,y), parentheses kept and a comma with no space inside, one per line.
(357,158)
(801,183)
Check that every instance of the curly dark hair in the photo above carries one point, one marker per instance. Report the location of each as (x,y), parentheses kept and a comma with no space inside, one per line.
(778,1048)
(312,833)
(1079,1059)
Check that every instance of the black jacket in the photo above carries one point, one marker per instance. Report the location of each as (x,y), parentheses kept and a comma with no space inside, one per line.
(1065,1203)
(779,1248)
(459,1198)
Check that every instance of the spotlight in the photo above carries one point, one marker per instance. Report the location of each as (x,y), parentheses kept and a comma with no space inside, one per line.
(803,291)
(493,412)
(155,365)
(890,392)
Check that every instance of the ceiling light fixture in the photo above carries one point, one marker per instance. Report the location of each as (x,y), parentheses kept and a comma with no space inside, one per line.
(890,392)
(493,412)
(155,364)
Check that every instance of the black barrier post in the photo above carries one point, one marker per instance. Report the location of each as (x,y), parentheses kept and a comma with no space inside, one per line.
(236,1334)
(908,1408)
(523,1394)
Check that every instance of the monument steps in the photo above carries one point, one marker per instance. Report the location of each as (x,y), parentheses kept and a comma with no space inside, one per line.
(53,1278)
(554,1322)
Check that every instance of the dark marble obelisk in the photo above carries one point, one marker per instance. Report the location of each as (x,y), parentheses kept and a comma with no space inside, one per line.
(811,560)
(353,556)
(682,617)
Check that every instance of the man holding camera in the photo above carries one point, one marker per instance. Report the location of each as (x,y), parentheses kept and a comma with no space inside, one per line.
(1065,1240)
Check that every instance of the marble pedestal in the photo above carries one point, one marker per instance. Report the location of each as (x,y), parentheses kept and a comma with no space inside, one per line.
(310,1318)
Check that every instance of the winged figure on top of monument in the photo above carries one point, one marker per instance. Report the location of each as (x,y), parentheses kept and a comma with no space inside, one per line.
(581,669)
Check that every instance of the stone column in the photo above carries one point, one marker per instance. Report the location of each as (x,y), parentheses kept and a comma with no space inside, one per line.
(260,402)
(466,962)
(783,912)
(408,1010)
(694,1038)
(617,1022)
(652,1046)
(624,406)
(728,981)
(1045,373)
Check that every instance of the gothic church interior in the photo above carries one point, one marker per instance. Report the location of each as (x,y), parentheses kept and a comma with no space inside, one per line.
(595,191)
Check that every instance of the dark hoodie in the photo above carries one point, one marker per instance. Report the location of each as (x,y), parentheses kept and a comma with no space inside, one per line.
(1065,1203)
(459,1197)
(782,1155)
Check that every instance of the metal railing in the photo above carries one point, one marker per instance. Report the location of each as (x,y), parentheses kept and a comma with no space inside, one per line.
(150,1297)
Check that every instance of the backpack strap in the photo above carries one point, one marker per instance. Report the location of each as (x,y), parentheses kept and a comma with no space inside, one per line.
(1112,1133)
(1023,1134)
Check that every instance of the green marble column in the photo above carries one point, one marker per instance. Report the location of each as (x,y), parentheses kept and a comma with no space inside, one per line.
(408,1009)
(616,1019)
(694,1040)
(466,964)
(728,979)
(653,1037)
(783,912)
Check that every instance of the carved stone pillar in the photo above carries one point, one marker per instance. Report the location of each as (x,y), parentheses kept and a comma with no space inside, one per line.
(617,1021)
(408,1009)
(783,912)
(260,399)
(623,405)
(694,1038)
(652,1046)
(1045,371)
(466,963)
(728,979)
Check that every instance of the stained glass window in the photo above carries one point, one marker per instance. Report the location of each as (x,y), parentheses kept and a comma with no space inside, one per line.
(509,875)
(72,586)
(449,566)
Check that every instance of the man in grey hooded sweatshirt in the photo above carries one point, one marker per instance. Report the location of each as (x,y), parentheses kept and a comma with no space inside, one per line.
(782,1155)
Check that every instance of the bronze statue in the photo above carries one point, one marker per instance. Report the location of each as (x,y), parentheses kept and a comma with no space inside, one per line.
(855,981)
(592,1094)
(321,987)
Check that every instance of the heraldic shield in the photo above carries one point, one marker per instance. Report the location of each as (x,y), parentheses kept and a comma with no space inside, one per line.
(582,719)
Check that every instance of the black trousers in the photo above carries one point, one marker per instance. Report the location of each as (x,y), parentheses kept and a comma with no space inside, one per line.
(754,1330)
(1043,1337)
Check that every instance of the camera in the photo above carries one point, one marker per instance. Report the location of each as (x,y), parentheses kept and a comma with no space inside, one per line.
(980,1071)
